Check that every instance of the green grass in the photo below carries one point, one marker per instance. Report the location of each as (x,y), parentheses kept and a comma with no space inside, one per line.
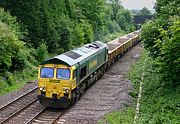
(124,117)
(17,80)
(160,103)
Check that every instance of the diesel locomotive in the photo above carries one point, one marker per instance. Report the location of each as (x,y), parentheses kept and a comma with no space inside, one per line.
(64,78)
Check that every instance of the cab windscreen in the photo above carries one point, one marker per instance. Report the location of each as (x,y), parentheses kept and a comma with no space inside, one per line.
(63,73)
(47,72)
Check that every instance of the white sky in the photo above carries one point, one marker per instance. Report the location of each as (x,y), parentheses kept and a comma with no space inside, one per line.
(138,4)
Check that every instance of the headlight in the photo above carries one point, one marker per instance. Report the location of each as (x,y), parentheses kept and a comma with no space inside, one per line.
(41,88)
(67,90)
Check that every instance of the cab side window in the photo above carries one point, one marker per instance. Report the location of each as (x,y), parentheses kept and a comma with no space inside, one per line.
(83,72)
(75,74)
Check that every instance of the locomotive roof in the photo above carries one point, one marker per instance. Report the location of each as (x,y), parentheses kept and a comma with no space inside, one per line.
(72,57)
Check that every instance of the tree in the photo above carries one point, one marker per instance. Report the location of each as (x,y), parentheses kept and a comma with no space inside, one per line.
(115,5)
(167,8)
(14,55)
(120,18)
(94,12)
(124,19)
(144,11)
(62,25)
(56,23)
(46,21)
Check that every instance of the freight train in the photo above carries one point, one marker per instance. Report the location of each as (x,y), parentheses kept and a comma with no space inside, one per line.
(64,78)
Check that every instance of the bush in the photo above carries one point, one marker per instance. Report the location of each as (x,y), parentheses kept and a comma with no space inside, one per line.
(41,52)
(10,46)
(161,85)
(78,35)
(149,34)
(12,23)
(3,84)
(169,52)
(161,38)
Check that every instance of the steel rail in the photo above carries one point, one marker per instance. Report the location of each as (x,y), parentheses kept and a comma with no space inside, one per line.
(37,115)
(42,111)
(20,110)
(18,98)
(54,122)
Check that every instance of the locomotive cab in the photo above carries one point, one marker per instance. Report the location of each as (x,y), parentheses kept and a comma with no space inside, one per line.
(55,83)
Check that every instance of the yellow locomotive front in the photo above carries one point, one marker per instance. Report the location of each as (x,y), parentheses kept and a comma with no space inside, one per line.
(55,83)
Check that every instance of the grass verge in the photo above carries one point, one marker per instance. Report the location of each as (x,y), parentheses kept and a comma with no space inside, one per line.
(160,103)
(17,80)
(124,117)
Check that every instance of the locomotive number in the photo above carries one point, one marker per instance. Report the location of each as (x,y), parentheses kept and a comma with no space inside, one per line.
(54,81)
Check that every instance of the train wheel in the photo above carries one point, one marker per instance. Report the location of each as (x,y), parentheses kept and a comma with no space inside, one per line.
(73,97)
(78,94)
(96,77)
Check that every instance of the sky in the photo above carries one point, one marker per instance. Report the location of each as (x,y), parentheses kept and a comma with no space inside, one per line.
(138,4)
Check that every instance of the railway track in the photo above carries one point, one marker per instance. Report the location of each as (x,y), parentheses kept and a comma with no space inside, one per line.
(19,104)
(47,116)
(26,109)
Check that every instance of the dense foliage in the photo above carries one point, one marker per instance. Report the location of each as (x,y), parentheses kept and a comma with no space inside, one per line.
(13,52)
(159,102)
(161,38)
(167,8)
(17,60)
(62,25)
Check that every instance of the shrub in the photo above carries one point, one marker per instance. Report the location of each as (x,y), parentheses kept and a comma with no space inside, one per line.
(42,52)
